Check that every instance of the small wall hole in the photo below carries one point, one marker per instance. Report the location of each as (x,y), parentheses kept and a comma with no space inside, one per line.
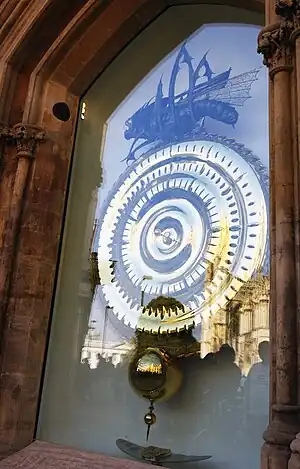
(61,111)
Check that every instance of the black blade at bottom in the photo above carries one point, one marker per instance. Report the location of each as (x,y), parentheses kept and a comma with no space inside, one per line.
(137,452)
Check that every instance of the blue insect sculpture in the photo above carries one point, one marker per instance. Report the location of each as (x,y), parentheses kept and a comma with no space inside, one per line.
(172,118)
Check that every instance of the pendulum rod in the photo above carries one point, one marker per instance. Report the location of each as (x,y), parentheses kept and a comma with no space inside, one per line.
(150,418)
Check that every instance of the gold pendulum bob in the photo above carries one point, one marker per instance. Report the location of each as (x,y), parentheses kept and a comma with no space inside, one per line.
(155,377)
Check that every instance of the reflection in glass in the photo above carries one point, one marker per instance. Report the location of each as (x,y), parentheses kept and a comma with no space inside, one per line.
(182,212)
(149,372)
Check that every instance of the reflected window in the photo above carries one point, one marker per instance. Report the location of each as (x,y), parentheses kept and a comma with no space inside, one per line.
(171,311)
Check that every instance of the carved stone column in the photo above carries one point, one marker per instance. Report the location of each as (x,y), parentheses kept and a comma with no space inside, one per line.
(294,462)
(25,137)
(276,43)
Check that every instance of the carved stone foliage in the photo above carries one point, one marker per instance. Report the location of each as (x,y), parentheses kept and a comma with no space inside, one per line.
(26,137)
(276,41)
(289,9)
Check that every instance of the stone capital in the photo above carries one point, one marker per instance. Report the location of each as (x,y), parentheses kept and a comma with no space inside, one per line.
(276,42)
(26,137)
(275,45)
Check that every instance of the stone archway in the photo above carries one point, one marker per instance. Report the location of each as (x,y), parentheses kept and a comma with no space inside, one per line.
(52,55)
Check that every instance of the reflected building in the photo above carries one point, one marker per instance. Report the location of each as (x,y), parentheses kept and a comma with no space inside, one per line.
(254,301)
(93,347)
(243,324)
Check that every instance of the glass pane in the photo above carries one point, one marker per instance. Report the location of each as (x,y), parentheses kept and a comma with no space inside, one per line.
(166,335)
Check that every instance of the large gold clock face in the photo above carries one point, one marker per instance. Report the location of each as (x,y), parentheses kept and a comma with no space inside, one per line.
(188,221)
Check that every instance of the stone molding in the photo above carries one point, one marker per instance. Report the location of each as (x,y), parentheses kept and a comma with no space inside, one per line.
(276,42)
(283,428)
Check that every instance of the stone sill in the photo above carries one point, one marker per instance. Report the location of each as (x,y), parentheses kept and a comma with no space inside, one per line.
(42,455)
